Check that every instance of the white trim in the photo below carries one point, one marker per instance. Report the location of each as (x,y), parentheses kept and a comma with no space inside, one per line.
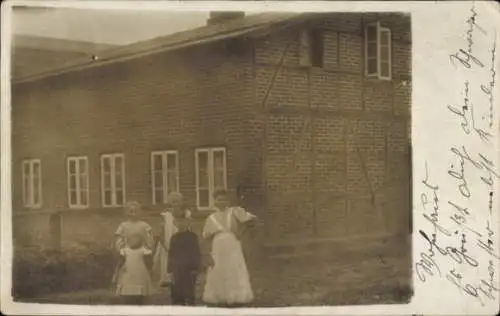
(211,174)
(197,172)
(389,54)
(28,201)
(78,160)
(164,171)
(113,158)
(151,169)
(378,29)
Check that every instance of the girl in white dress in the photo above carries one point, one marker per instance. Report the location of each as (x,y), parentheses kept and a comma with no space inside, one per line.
(134,281)
(132,226)
(228,281)
(169,228)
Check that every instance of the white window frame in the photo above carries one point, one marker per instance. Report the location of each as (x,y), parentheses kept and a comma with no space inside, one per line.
(29,202)
(211,175)
(113,158)
(379,30)
(164,161)
(78,160)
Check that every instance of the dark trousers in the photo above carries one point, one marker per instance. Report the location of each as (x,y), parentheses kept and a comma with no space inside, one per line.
(182,291)
(133,299)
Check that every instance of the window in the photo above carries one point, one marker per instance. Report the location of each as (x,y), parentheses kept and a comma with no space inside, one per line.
(311,48)
(113,180)
(165,174)
(78,182)
(32,183)
(378,51)
(210,175)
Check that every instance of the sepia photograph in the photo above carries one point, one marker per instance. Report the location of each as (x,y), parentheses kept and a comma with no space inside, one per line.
(211,158)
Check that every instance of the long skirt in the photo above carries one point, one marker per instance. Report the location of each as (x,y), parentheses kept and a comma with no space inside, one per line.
(228,282)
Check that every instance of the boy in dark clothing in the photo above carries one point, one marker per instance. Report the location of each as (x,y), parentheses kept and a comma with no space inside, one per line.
(184,260)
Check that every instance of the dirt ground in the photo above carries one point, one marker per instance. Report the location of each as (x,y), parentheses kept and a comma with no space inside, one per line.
(345,280)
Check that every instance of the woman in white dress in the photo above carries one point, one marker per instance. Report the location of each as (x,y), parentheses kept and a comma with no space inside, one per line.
(169,228)
(228,281)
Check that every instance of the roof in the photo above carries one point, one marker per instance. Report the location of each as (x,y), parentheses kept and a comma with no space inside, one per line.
(258,25)
(34,55)
(55,44)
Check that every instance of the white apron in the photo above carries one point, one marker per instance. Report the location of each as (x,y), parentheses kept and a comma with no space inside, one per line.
(227,281)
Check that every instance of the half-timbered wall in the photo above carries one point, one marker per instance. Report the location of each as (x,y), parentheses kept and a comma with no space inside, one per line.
(336,157)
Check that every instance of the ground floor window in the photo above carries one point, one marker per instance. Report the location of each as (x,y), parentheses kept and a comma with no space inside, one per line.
(32,183)
(210,175)
(164,174)
(113,180)
(78,182)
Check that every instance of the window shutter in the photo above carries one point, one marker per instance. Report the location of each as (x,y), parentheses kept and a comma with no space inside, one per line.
(371,50)
(305,49)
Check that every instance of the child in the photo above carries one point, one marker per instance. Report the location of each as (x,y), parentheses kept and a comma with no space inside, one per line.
(176,210)
(132,226)
(134,282)
(184,258)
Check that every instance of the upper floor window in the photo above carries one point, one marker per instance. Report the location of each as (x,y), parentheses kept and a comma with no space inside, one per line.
(32,183)
(378,51)
(210,175)
(165,174)
(113,180)
(312,48)
(78,182)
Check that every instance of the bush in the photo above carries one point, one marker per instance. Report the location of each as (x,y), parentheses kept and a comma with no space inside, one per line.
(37,271)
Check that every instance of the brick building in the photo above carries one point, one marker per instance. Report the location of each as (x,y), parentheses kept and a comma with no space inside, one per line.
(305,116)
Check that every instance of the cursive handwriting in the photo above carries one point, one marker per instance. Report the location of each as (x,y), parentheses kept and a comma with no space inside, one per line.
(483,135)
(456,278)
(467,256)
(488,88)
(485,164)
(472,24)
(426,266)
(490,202)
(464,109)
(465,59)
(460,175)
(491,272)
(434,215)
(460,218)
(455,254)
(488,244)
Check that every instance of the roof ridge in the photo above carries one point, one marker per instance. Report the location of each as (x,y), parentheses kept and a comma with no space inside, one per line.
(54,43)
(199,35)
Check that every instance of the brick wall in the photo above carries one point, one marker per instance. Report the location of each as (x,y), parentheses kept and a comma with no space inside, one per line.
(324,124)
(299,169)
(181,101)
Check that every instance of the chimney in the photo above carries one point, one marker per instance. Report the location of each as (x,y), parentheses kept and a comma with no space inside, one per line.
(224,16)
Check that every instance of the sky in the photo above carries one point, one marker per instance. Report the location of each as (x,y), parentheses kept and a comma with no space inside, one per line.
(117,27)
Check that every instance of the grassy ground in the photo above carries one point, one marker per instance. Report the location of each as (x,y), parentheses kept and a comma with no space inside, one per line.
(344,279)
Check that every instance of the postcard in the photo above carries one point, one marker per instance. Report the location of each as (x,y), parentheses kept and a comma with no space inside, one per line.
(250,158)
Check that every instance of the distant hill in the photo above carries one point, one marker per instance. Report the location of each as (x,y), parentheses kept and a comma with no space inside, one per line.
(32,55)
